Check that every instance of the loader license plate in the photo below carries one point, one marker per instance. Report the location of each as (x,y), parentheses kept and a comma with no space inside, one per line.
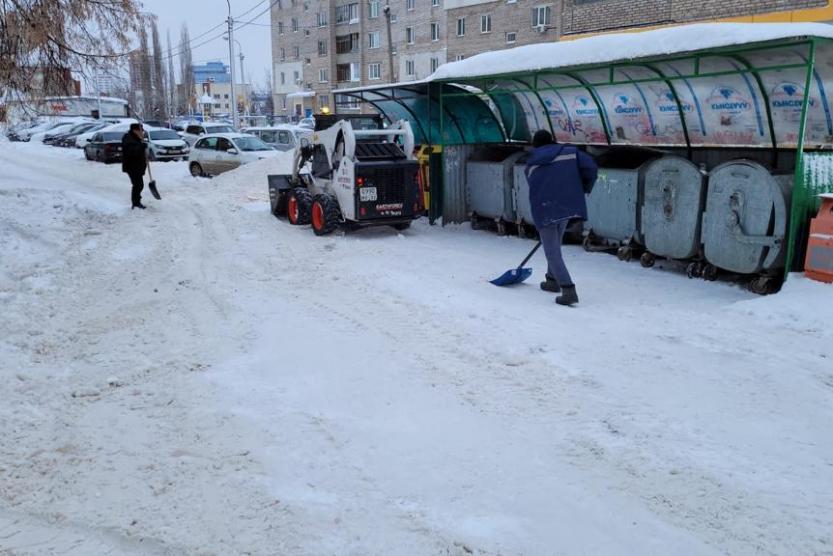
(367,194)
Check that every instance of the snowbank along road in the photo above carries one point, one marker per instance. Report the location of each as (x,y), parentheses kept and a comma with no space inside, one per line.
(201,378)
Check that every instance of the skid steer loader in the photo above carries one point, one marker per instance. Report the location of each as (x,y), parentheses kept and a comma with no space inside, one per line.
(357,178)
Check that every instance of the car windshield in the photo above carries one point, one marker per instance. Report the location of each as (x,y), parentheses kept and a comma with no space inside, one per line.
(251,144)
(164,135)
(219,129)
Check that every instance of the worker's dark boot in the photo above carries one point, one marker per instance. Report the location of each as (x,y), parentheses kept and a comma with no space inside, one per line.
(568,296)
(550,285)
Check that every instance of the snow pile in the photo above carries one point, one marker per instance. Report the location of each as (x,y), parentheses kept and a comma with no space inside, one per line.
(803,305)
(625,46)
(372,393)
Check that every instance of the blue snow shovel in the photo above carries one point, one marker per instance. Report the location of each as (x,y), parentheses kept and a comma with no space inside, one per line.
(516,275)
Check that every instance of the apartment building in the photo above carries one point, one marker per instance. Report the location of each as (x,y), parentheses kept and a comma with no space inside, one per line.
(322,45)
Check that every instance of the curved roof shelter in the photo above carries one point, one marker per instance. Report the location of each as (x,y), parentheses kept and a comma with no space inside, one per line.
(718,84)
(712,85)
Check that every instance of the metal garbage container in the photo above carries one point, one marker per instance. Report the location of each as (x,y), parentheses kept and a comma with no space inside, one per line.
(672,208)
(745,222)
(489,187)
(613,207)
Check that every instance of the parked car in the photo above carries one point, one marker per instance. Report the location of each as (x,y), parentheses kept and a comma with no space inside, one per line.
(195,131)
(156,123)
(166,144)
(105,146)
(278,137)
(82,140)
(220,152)
(75,130)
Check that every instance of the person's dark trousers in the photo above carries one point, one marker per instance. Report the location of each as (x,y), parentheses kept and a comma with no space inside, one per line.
(551,238)
(138,185)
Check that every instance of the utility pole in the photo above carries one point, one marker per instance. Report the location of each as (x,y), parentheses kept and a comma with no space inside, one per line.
(390,43)
(235,120)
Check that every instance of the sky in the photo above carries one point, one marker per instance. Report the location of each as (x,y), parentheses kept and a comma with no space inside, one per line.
(202,15)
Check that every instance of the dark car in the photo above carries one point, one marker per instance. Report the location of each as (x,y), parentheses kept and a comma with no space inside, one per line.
(63,139)
(104,147)
(156,123)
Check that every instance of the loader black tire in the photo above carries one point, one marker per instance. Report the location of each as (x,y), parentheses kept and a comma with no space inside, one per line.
(325,214)
(298,206)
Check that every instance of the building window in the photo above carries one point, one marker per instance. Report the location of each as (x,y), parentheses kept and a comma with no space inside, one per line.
(294,24)
(348,72)
(323,100)
(296,76)
(373,40)
(541,16)
(435,3)
(435,63)
(296,51)
(511,1)
(283,102)
(348,13)
(225,96)
(218,105)
(393,18)
(283,78)
(409,67)
(322,48)
(373,9)
(347,102)
(322,75)
(461,26)
(280,27)
(435,31)
(322,19)
(306,6)
(486,23)
(410,5)
(283,54)
(459,57)
(306,32)
(342,72)
(347,43)
(409,35)
(511,38)
(374,71)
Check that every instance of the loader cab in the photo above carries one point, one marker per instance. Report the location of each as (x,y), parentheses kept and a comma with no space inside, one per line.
(358,121)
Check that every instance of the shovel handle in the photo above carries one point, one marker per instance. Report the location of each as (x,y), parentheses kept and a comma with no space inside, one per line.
(534,249)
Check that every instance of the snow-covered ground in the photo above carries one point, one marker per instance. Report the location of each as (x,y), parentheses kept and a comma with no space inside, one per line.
(201,378)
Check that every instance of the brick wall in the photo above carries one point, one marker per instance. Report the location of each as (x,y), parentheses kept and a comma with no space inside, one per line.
(507,17)
(586,16)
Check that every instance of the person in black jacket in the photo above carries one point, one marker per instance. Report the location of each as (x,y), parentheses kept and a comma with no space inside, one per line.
(134,161)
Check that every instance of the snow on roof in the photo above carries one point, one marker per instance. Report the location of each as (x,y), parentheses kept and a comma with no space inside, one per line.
(625,46)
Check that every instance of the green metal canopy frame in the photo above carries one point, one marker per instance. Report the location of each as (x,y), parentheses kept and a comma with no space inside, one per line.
(489,108)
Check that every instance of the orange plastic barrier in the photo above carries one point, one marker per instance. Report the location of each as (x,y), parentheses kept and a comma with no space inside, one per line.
(819,262)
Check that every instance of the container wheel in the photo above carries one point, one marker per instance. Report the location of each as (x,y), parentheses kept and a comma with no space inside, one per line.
(625,253)
(763,285)
(710,272)
(325,214)
(402,226)
(501,228)
(298,204)
(647,260)
(587,243)
(694,269)
(196,170)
